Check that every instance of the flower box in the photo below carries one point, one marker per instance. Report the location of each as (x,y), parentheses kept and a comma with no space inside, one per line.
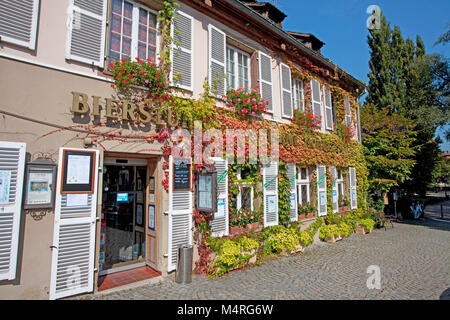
(343,209)
(301,216)
(237,230)
(310,215)
(362,230)
(332,239)
(298,248)
(255,227)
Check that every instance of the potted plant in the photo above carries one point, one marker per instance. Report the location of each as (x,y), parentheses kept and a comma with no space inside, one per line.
(252,219)
(306,211)
(330,233)
(237,223)
(365,226)
(343,205)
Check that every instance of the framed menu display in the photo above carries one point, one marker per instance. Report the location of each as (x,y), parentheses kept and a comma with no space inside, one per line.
(78,171)
(181,175)
(39,191)
(151,216)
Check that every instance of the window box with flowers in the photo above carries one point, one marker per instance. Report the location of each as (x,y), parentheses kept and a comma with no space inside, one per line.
(306,211)
(343,205)
(246,102)
(243,219)
(345,132)
(306,120)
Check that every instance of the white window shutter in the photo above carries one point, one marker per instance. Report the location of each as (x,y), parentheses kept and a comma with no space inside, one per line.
(217,60)
(316,99)
(328,109)
(86,32)
(291,174)
(73,240)
(219,226)
(334,194)
(321,191)
(180,217)
(348,112)
(353,195)
(265,79)
(181,53)
(270,186)
(286,91)
(18,22)
(12,164)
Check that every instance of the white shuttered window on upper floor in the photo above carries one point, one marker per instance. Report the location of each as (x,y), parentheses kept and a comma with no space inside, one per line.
(18,22)
(132,32)
(348,112)
(265,79)
(286,93)
(182,51)
(316,100)
(297,95)
(217,60)
(86,31)
(328,108)
(238,69)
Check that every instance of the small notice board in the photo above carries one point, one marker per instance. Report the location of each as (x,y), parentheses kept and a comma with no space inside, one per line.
(181,174)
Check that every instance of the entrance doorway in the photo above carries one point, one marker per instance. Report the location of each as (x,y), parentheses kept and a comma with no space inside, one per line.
(122,239)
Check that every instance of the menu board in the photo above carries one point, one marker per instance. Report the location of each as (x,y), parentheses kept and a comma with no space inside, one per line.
(181,175)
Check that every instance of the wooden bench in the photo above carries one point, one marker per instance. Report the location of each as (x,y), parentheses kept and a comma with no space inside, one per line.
(382,221)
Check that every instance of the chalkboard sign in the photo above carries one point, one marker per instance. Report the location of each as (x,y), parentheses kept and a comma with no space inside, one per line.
(181,175)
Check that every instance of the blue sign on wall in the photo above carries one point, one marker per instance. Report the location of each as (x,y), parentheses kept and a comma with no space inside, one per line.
(122,197)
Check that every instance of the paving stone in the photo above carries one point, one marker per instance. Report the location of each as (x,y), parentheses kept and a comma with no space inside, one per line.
(414,260)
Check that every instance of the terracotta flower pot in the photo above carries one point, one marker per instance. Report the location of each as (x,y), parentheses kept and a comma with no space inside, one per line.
(237,230)
(301,216)
(310,215)
(255,227)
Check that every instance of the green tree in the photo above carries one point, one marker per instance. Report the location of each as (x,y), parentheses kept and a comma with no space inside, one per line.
(388,147)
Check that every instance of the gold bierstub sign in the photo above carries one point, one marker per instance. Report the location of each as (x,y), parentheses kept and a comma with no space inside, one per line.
(121,110)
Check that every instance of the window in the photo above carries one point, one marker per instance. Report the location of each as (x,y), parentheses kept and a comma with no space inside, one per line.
(348,112)
(244,199)
(297,95)
(340,184)
(303,186)
(132,32)
(238,69)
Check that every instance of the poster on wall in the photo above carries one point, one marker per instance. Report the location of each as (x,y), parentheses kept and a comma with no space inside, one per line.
(5,182)
(220,209)
(39,188)
(292,199)
(77,200)
(271,204)
(139,214)
(151,216)
(78,171)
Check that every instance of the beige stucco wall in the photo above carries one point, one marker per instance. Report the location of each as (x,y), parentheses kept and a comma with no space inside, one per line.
(44,94)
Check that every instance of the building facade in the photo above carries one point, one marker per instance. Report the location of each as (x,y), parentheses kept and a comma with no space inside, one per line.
(61,107)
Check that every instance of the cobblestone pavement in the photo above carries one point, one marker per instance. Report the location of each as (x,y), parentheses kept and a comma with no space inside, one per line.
(414,259)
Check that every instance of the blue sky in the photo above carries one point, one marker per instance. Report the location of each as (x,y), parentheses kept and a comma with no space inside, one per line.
(341,24)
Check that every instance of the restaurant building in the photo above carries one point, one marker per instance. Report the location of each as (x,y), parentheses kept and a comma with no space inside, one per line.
(88,187)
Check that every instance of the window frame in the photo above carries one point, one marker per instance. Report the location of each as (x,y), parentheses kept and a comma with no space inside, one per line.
(239,195)
(134,31)
(348,112)
(340,183)
(303,182)
(298,90)
(235,50)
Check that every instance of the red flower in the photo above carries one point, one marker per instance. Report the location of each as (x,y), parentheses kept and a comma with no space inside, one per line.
(244,110)
(124,81)
(124,60)
(119,76)
(157,76)
(130,76)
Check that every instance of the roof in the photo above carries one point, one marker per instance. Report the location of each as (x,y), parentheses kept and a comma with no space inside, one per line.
(276,14)
(238,5)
